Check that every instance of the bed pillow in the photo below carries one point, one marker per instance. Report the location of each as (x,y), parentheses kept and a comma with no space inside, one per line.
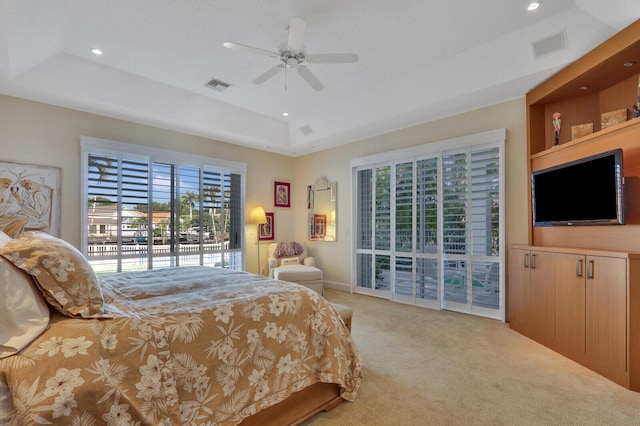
(60,271)
(4,238)
(23,312)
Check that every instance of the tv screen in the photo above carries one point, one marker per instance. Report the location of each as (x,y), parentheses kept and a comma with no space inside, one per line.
(583,192)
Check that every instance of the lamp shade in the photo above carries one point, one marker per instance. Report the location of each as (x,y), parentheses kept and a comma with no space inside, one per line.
(258,216)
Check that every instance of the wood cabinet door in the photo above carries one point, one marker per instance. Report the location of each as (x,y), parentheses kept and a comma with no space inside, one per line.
(518,289)
(570,304)
(542,297)
(606,299)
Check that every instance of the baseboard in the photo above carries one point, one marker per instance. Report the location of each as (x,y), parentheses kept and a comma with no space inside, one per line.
(337,286)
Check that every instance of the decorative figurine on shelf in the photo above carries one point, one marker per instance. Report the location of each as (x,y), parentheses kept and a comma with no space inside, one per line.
(557,122)
(636,107)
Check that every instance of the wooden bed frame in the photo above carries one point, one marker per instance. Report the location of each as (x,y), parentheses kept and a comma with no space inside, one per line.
(299,407)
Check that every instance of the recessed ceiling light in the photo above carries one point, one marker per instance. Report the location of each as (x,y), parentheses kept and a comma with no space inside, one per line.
(629,64)
(285,114)
(584,88)
(96,51)
(533,6)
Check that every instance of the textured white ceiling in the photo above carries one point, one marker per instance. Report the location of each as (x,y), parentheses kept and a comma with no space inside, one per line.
(419,61)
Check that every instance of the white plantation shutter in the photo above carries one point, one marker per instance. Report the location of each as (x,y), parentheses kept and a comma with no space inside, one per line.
(383,208)
(454,203)
(485,202)
(427,205)
(145,214)
(404,190)
(485,226)
(454,227)
(115,184)
(364,235)
(426,224)
(404,241)
(365,209)
(429,226)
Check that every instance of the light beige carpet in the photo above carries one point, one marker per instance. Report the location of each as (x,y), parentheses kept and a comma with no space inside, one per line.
(425,367)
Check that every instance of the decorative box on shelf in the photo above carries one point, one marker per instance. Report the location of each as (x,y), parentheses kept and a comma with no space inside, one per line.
(581,130)
(612,118)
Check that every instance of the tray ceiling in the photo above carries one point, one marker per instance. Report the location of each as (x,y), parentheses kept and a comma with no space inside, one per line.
(418,61)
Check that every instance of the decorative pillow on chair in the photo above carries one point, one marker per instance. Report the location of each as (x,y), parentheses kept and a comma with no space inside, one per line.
(286,249)
(23,312)
(60,271)
(290,261)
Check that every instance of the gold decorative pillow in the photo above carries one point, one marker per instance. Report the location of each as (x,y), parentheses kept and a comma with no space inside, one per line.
(60,271)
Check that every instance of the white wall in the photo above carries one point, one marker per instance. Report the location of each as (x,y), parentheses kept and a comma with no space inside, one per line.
(36,133)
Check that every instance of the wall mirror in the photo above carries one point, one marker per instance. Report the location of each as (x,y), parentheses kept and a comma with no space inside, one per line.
(321,203)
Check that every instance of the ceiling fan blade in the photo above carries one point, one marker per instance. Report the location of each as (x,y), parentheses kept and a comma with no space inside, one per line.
(269,74)
(231,45)
(309,77)
(332,58)
(296,34)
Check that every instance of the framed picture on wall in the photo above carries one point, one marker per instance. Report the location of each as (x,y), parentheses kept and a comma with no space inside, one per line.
(266,231)
(29,198)
(281,194)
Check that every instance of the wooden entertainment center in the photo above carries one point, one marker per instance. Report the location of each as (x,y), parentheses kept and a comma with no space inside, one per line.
(576,289)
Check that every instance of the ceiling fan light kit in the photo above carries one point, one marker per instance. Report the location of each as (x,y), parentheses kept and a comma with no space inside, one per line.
(294,57)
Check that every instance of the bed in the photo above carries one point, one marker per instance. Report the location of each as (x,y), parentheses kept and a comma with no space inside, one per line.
(189,345)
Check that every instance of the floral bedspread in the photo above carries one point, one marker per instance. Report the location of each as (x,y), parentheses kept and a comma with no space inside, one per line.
(191,345)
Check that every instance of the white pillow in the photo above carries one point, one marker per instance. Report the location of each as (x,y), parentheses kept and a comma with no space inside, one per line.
(4,238)
(23,312)
(290,261)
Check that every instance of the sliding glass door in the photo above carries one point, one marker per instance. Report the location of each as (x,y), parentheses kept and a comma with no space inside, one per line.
(429,230)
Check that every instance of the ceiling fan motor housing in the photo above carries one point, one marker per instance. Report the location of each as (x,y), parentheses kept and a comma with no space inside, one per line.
(292,58)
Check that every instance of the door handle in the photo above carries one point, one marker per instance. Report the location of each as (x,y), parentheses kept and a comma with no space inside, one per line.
(590,270)
(579,268)
(526,260)
(533,261)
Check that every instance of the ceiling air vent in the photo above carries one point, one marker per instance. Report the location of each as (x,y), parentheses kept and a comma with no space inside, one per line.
(306,130)
(216,85)
(549,44)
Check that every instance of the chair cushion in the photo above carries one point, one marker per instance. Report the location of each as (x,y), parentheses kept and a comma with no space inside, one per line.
(297,273)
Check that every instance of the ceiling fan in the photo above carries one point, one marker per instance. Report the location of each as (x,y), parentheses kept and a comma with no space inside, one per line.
(292,55)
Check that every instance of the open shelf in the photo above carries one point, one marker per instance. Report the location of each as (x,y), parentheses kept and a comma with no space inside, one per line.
(597,83)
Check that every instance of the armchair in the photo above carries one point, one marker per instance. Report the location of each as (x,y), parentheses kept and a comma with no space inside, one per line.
(288,261)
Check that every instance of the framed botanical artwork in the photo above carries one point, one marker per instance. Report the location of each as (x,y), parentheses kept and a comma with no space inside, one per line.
(319,225)
(29,198)
(281,194)
(266,231)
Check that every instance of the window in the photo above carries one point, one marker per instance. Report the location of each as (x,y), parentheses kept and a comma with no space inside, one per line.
(149,209)
(429,225)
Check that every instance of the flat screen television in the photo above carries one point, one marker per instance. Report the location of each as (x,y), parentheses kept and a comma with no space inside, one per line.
(588,191)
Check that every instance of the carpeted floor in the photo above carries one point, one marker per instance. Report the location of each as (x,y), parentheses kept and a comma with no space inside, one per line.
(426,367)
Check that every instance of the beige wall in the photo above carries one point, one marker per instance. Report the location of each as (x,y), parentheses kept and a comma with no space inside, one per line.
(36,133)
(334,164)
